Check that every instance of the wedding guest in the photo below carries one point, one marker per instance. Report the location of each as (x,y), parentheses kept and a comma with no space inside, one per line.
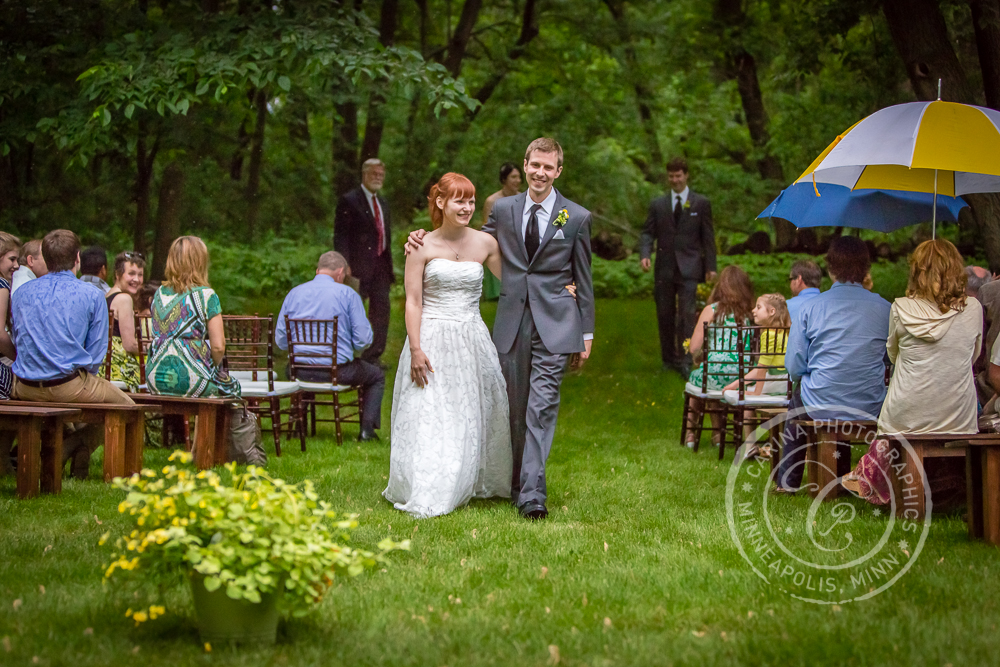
(681,226)
(804,278)
(836,350)
(31,264)
(129,268)
(935,333)
(510,181)
(189,340)
(61,334)
(976,276)
(324,298)
(767,375)
(9,250)
(94,267)
(361,233)
(144,299)
(731,301)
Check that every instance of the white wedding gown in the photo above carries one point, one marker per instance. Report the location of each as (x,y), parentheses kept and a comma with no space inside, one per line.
(450,439)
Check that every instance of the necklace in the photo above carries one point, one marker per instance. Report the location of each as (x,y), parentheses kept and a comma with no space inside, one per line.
(452,248)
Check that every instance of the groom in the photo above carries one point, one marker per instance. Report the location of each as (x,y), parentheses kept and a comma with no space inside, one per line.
(540,328)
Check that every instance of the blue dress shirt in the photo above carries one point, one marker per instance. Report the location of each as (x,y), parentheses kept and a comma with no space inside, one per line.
(836,346)
(60,326)
(323,298)
(796,302)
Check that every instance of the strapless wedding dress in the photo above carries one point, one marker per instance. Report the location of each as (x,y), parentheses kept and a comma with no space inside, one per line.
(450,440)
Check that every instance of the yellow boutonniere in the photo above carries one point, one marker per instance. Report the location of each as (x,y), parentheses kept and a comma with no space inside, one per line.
(687,204)
(562,218)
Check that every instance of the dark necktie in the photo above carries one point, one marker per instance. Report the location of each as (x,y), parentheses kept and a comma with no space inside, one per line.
(379,226)
(531,233)
(677,209)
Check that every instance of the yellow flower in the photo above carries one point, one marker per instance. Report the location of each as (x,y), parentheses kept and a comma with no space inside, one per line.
(208,647)
(139,617)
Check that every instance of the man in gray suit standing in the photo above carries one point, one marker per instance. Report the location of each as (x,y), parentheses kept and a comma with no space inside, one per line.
(540,328)
(681,225)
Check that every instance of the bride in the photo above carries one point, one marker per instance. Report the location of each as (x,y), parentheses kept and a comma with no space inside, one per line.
(450,432)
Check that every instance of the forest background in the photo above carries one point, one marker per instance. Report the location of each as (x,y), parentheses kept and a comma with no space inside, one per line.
(242,121)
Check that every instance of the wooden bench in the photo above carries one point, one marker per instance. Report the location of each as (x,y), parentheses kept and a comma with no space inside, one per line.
(982,483)
(39,458)
(211,423)
(124,430)
(828,451)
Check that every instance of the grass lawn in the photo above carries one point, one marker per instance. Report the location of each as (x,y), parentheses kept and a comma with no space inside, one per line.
(635,565)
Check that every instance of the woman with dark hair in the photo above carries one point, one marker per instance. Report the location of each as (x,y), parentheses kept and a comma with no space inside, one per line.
(510,180)
(731,301)
(935,333)
(450,429)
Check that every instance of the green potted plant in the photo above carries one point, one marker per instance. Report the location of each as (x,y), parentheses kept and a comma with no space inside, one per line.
(249,544)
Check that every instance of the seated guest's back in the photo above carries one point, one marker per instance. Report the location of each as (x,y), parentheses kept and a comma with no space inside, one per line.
(9,249)
(324,298)
(94,268)
(129,269)
(61,335)
(189,340)
(935,333)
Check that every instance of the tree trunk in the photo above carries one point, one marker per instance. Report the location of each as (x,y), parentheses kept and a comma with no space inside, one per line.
(375,123)
(921,37)
(463,33)
(167,216)
(236,163)
(529,30)
(256,162)
(345,149)
(145,159)
(986,21)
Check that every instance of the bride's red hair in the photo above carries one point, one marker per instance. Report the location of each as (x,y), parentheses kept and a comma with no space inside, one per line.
(451,186)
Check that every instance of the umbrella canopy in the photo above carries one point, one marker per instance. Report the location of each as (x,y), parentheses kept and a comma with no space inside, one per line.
(879,210)
(943,147)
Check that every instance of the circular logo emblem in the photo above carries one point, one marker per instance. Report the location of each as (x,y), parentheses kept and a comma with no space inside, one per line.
(843,548)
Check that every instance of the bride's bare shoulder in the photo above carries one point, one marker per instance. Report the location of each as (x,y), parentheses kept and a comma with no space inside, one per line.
(484,240)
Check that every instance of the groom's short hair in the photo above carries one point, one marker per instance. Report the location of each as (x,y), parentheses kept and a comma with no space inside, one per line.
(545,145)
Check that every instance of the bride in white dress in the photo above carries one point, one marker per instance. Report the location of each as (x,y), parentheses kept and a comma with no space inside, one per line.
(450,432)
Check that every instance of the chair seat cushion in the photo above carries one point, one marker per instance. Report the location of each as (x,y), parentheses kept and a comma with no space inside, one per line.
(696,391)
(259,389)
(247,376)
(323,387)
(119,384)
(732,397)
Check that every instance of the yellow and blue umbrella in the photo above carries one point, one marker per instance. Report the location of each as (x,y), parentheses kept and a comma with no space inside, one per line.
(938,148)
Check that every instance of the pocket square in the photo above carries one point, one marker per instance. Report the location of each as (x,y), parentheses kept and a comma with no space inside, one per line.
(559,234)
(693,213)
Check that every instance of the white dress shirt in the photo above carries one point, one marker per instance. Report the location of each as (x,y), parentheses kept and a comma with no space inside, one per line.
(21,276)
(543,215)
(372,204)
(683,194)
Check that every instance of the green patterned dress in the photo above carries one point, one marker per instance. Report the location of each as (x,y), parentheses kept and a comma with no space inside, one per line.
(721,357)
(180,358)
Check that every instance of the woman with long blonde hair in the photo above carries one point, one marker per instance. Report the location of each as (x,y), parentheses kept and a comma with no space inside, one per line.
(189,342)
(935,334)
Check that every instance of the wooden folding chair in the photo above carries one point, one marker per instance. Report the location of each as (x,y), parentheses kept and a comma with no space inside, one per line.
(250,359)
(312,345)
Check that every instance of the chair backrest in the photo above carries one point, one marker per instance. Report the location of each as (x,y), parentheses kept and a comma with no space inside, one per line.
(312,344)
(143,339)
(764,341)
(722,338)
(107,356)
(250,346)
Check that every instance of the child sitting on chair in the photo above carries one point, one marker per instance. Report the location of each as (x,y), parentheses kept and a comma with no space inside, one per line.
(769,375)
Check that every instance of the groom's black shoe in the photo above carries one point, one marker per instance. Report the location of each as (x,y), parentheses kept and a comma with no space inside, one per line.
(534,511)
(367,435)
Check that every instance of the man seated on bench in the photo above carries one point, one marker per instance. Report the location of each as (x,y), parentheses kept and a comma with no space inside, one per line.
(61,336)
(836,350)
(323,298)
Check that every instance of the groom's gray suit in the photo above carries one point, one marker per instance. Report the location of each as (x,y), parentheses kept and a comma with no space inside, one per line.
(538,326)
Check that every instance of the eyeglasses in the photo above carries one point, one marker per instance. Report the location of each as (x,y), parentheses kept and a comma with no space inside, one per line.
(133,255)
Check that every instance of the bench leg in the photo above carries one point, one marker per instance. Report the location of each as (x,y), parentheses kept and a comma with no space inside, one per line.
(974,490)
(991,495)
(826,456)
(29,456)
(204,437)
(223,420)
(52,457)
(135,436)
(114,445)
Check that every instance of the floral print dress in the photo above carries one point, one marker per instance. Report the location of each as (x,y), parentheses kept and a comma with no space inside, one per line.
(722,357)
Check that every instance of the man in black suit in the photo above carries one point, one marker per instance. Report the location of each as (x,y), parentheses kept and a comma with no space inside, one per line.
(361,235)
(681,225)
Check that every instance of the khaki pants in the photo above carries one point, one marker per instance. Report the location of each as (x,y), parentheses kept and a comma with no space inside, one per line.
(81,439)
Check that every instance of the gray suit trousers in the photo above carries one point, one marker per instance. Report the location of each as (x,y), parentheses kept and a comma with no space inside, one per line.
(533,376)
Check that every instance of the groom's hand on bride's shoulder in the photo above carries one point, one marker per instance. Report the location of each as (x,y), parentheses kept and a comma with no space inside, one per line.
(414,241)
(580,358)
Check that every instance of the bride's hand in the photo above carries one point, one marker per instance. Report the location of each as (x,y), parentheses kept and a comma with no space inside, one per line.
(414,241)
(571,288)
(420,365)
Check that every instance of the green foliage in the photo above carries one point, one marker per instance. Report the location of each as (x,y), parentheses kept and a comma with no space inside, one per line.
(250,532)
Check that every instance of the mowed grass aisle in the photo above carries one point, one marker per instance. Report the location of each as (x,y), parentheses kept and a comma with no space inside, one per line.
(635,565)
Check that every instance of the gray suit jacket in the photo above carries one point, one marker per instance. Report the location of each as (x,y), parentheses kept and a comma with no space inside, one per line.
(687,244)
(559,319)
